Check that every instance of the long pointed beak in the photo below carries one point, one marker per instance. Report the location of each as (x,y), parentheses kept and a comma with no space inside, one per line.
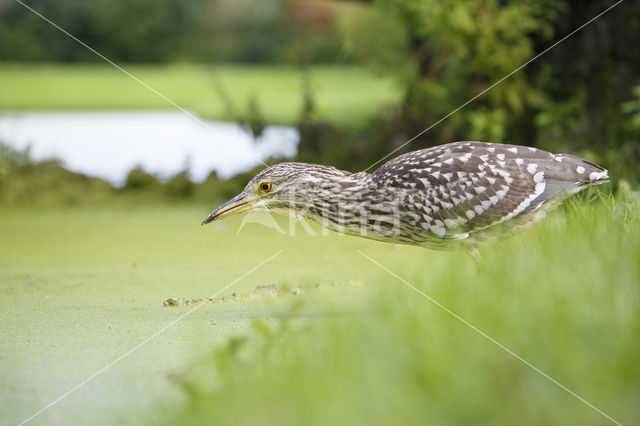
(238,204)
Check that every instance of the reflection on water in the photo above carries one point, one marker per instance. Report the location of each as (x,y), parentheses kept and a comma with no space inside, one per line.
(109,144)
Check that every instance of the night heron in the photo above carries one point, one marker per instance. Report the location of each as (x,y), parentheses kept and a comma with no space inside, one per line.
(455,194)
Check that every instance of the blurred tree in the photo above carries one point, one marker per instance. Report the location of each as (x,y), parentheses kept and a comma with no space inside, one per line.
(138,180)
(625,160)
(446,52)
(248,31)
(25,182)
(140,31)
(586,79)
(315,37)
(180,186)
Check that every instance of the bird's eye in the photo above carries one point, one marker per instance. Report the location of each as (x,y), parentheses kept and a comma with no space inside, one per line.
(265,187)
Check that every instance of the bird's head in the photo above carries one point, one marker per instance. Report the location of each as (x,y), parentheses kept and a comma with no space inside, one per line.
(280,187)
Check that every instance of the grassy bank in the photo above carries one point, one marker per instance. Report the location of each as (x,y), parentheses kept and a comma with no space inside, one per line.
(331,339)
(344,95)
(565,297)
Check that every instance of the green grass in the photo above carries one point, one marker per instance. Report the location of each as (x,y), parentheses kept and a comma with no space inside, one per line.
(565,296)
(81,287)
(344,95)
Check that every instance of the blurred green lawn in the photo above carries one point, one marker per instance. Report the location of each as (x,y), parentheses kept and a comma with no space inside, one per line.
(344,95)
(83,286)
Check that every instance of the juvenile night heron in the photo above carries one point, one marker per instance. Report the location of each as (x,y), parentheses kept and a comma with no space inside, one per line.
(450,195)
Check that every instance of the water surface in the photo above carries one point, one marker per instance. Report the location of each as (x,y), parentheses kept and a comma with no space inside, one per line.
(108,144)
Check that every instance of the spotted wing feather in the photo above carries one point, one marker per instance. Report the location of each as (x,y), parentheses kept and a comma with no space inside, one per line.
(464,187)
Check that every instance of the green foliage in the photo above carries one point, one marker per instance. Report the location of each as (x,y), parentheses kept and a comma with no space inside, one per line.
(565,297)
(247,31)
(361,27)
(142,186)
(48,183)
(139,180)
(143,31)
(459,65)
(12,155)
(624,159)
(633,107)
(168,31)
(586,80)
(446,52)
(222,190)
(24,182)
(180,186)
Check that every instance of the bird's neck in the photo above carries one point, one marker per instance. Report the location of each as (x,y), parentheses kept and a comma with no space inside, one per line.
(347,203)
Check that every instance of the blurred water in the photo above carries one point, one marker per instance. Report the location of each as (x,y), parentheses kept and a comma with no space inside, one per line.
(109,144)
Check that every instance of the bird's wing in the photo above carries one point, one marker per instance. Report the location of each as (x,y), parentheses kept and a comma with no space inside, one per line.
(467,186)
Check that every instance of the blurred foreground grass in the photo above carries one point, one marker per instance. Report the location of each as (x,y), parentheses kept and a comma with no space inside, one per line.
(355,346)
(565,296)
(344,95)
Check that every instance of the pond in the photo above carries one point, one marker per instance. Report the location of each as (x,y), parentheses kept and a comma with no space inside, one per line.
(108,144)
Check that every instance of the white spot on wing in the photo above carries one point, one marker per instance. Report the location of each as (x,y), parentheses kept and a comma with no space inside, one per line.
(450,223)
(580,169)
(446,205)
(439,231)
(425,182)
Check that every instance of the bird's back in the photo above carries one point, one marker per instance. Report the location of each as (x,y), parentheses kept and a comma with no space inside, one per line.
(457,190)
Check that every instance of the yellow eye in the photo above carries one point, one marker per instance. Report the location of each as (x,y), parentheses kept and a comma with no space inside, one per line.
(265,187)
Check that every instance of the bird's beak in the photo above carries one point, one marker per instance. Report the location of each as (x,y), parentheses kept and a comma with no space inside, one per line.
(238,204)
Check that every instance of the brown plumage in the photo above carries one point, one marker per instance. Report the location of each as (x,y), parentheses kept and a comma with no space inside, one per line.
(438,197)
